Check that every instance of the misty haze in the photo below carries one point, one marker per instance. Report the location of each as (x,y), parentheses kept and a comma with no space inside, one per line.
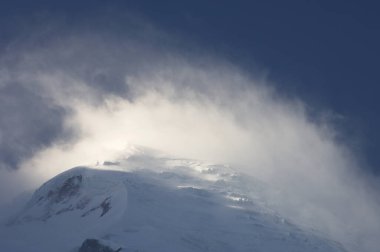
(126,130)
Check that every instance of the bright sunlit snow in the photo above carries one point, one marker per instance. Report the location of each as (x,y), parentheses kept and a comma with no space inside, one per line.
(154,203)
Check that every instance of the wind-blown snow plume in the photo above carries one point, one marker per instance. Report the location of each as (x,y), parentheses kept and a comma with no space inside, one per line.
(89,96)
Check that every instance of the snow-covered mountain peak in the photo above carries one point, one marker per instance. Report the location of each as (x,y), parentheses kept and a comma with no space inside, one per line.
(153,203)
(79,193)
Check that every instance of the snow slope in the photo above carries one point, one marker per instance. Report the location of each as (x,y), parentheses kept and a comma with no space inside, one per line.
(153,203)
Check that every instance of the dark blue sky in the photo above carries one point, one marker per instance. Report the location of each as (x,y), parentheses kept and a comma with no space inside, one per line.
(325,52)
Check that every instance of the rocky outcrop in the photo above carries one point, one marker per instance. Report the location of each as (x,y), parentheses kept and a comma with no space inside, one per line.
(76,192)
(94,245)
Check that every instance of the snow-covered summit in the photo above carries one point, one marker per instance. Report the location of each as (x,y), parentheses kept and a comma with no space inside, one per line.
(81,192)
(150,203)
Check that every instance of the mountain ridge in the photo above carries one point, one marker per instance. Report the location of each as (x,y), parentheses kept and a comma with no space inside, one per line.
(147,203)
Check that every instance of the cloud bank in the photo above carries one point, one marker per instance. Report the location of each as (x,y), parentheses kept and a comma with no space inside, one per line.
(81,98)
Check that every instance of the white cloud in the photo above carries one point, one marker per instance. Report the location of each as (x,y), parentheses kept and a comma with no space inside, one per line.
(202,108)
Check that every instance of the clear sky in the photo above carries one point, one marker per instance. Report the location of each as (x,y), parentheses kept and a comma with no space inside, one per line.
(325,53)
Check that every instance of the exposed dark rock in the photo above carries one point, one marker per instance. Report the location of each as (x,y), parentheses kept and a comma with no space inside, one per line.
(110,163)
(105,206)
(93,245)
(68,189)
